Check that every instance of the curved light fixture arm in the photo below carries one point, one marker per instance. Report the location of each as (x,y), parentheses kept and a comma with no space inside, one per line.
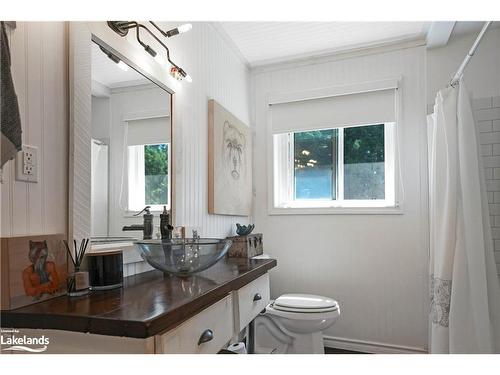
(122,27)
(158,28)
(159,41)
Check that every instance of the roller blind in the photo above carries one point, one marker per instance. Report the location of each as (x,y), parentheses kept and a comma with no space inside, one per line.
(335,108)
(148,131)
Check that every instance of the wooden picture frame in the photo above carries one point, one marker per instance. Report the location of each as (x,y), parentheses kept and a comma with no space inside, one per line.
(229,163)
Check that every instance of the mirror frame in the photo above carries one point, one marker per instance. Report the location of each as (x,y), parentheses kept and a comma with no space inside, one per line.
(81,37)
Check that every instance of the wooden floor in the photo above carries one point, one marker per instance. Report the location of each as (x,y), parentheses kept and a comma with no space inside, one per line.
(341,351)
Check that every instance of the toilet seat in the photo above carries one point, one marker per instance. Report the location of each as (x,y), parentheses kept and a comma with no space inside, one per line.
(305,303)
(303,307)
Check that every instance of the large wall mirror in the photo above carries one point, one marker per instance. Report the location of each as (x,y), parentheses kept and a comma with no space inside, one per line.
(121,135)
(131,135)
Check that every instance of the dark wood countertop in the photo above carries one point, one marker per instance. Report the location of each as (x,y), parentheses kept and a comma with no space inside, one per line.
(148,303)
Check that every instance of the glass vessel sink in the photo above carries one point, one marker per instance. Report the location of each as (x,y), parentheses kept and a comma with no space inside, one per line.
(183,256)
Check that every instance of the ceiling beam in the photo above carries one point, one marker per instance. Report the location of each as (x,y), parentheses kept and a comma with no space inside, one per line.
(439,33)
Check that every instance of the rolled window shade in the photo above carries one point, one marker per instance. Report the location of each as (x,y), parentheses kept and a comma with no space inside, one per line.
(148,131)
(334,111)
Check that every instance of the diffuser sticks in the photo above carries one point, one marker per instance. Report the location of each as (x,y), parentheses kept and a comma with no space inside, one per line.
(78,281)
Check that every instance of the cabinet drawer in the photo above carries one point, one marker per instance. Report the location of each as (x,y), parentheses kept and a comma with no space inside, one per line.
(205,333)
(250,301)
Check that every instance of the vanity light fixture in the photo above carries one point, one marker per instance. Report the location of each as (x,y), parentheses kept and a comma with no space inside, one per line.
(122,28)
(115,59)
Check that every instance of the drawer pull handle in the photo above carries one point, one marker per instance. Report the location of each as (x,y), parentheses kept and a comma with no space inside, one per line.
(206,336)
(257,297)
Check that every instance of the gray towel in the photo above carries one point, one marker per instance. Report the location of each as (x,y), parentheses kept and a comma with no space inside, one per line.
(10,121)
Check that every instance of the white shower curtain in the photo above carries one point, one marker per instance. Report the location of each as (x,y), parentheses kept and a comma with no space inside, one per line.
(465,292)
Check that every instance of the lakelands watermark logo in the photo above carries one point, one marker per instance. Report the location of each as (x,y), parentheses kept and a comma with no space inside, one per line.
(11,339)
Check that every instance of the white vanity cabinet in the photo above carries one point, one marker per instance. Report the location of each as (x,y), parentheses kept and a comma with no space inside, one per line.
(205,333)
(211,329)
(249,301)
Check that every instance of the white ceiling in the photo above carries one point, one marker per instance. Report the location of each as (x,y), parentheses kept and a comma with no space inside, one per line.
(467,27)
(265,42)
(260,43)
(109,74)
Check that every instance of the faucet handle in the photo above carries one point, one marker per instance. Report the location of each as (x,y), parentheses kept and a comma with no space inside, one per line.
(144,209)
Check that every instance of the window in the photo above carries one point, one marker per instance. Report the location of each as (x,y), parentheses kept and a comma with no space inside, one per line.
(148,176)
(148,163)
(340,167)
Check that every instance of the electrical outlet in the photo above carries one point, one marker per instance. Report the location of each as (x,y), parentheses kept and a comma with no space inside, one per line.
(28,169)
(27,164)
(28,156)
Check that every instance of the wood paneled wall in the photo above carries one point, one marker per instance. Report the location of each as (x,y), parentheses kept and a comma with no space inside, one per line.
(39,68)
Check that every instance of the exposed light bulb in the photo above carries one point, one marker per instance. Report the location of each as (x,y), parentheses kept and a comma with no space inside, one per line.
(159,59)
(184,28)
(188,78)
(122,66)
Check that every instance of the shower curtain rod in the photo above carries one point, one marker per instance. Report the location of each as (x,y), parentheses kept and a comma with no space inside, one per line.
(471,52)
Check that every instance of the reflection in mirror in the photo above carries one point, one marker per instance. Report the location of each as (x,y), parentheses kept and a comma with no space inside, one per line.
(131,148)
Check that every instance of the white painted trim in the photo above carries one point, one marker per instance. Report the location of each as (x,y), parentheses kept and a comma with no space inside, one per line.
(335,55)
(99,90)
(230,42)
(144,115)
(370,346)
(439,33)
(336,211)
(133,86)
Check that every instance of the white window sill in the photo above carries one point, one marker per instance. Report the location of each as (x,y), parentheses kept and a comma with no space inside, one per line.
(393,210)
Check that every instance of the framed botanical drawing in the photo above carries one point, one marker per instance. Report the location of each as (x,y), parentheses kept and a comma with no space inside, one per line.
(229,163)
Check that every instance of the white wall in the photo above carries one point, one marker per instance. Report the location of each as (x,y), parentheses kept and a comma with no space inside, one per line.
(482,75)
(39,69)
(374,265)
(217,74)
(100,118)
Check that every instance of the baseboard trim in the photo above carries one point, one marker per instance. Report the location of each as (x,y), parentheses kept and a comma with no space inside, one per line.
(370,346)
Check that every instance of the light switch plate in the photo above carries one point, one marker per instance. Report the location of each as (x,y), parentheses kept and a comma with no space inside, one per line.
(27,164)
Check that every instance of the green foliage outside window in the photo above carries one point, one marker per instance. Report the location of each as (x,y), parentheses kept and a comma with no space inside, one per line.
(156,171)
(364,144)
(315,163)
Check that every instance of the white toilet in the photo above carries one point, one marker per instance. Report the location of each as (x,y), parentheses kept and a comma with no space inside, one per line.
(294,323)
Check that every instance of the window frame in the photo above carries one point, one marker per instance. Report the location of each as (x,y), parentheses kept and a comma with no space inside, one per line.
(282,199)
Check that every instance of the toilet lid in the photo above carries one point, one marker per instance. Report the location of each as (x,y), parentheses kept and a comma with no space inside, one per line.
(305,303)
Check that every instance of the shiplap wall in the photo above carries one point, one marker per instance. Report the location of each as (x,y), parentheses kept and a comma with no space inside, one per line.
(218,74)
(39,69)
(487,112)
(376,266)
(39,59)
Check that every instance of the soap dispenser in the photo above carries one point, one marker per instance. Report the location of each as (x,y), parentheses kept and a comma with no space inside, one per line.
(165,227)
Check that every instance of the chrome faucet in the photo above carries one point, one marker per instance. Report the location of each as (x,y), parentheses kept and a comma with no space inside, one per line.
(146,227)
